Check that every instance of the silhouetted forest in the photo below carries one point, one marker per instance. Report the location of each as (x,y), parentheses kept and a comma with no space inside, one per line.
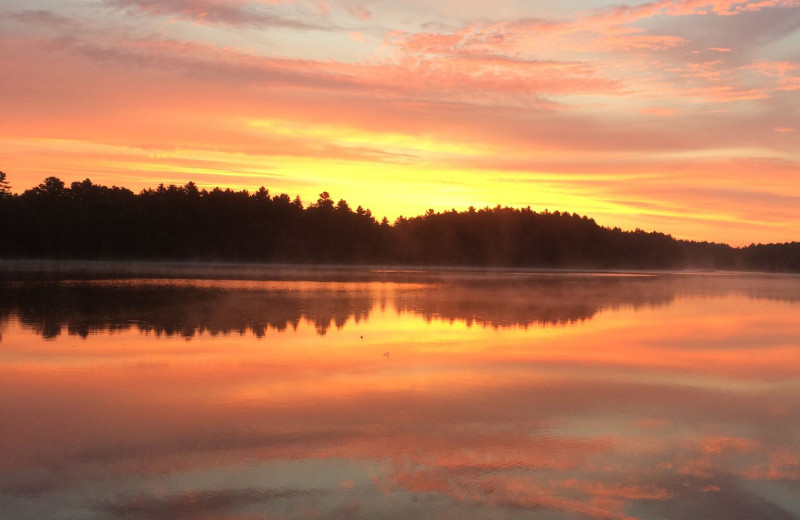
(90,221)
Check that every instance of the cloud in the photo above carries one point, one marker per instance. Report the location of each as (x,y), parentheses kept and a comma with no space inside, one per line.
(216,12)
(192,504)
(42,18)
(628,14)
(357,36)
(359,11)
(658,111)
(782,75)
(202,62)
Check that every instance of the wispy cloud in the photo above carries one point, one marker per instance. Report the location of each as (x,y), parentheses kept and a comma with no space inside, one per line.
(192,505)
(254,13)
(41,17)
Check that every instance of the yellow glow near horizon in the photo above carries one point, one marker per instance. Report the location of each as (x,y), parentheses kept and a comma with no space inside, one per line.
(352,136)
(387,188)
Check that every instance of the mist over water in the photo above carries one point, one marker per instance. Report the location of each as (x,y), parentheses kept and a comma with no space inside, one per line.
(256,299)
(397,394)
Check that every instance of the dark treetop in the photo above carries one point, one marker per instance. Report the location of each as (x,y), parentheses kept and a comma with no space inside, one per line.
(89,221)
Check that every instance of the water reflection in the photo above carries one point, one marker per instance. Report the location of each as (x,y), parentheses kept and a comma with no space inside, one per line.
(544,397)
(183,308)
(189,307)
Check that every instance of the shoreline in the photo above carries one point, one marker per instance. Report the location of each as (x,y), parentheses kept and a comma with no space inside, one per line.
(46,269)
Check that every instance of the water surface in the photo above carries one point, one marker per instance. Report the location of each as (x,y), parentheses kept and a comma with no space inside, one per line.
(402,395)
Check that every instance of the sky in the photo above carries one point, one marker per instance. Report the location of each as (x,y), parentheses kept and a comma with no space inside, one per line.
(681,116)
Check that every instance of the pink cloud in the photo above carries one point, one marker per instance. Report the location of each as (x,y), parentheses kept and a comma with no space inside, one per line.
(658,111)
(721,444)
(359,11)
(627,14)
(216,12)
(42,18)
(633,41)
(323,7)
(357,36)
(784,75)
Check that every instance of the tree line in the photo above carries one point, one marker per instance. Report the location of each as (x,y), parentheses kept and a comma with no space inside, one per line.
(91,221)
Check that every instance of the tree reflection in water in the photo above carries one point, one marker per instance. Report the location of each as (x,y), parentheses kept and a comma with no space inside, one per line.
(507,396)
(186,307)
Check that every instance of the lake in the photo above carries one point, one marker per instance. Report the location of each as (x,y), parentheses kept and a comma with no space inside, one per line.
(399,394)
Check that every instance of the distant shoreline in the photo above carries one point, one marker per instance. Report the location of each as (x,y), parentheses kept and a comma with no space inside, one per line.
(49,269)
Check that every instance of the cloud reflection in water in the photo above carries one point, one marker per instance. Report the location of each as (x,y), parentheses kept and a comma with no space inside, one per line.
(557,397)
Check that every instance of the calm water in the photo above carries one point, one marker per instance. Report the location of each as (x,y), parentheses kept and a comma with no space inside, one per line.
(402,395)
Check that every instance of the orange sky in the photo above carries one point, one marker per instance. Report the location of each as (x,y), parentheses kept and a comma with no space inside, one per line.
(680,116)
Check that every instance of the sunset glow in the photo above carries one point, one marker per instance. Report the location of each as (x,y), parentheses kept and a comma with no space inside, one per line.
(681,116)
